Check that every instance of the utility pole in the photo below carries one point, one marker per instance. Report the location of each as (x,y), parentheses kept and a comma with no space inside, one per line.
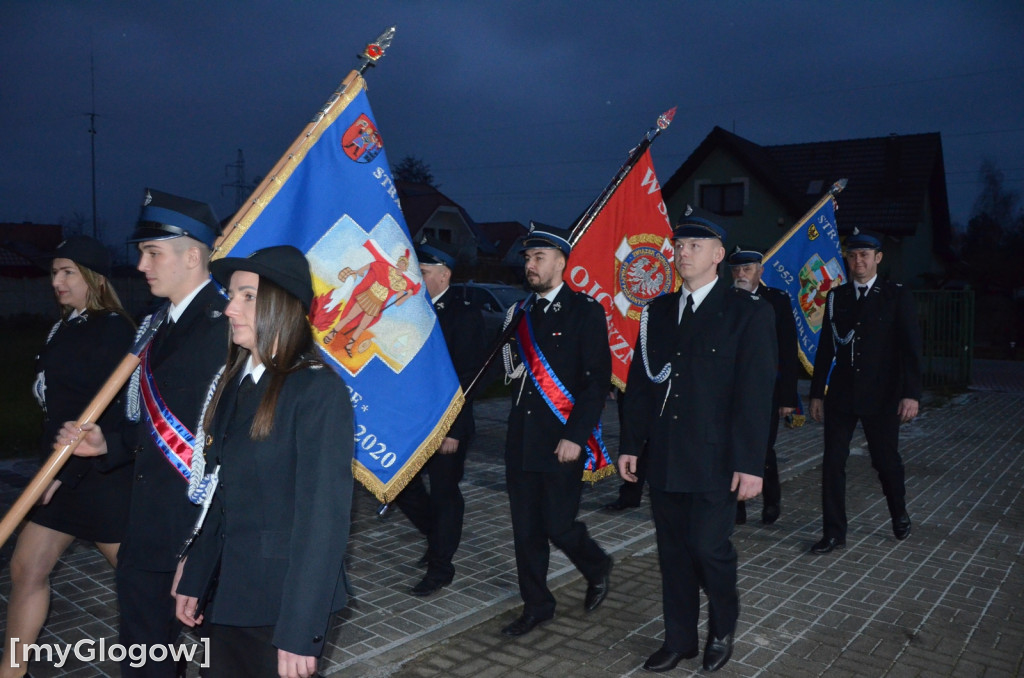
(241,186)
(92,135)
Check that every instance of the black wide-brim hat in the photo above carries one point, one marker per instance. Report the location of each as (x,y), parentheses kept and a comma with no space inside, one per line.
(165,216)
(85,251)
(284,265)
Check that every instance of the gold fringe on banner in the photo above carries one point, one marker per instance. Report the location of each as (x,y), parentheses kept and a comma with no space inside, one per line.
(385,494)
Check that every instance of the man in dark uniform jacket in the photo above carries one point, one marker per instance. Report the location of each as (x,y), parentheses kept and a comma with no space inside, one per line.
(870,330)
(545,453)
(699,397)
(174,237)
(746,268)
(438,514)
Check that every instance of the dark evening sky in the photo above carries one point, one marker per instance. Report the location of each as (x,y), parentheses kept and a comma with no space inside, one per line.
(523,110)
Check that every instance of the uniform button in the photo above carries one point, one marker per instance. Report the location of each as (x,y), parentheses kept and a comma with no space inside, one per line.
(676,374)
(529,411)
(675,416)
(317,639)
(138,478)
(136,450)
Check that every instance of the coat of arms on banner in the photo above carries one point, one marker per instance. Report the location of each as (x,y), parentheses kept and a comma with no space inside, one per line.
(643,272)
(817,277)
(366,301)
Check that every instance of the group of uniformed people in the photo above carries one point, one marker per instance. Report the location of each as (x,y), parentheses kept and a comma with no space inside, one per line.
(260,460)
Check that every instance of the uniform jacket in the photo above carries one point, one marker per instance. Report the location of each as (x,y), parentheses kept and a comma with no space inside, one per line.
(710,418)
(573,336)
(463,328)
(882,364)
(184,362)
(76,362)
(785,338)
(279,521)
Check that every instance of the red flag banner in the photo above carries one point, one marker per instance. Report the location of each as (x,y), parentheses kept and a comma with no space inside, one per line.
(624,259)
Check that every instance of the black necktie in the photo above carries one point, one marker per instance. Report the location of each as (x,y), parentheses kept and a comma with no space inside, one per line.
(862,291)
(540,306)
(687,310)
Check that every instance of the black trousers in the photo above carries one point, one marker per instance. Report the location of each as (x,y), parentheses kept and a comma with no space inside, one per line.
(630,494)
(695,552)
(882,432)
(771,491)
(241,652)
(438,514)
(147,617)
(544,508)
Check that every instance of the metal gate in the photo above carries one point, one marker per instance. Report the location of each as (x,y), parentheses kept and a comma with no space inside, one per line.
(947,332)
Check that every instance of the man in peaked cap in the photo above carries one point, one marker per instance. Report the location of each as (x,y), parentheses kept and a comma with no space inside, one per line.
(870,332)
(438,514)
(699,398)
(174,236)
(746,267)
(559,354)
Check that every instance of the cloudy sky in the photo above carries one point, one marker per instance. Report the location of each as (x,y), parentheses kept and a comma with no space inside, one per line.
(523,110)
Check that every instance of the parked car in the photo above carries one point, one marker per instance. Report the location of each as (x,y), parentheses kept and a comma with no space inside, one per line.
(493,300)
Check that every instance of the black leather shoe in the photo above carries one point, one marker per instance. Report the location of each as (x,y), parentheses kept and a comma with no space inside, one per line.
(618,505)
(717,653)
(523,625)
(827,545)
(429,586)
(741,513)
(770,513)
(596,593)
(901,526)
(666,660)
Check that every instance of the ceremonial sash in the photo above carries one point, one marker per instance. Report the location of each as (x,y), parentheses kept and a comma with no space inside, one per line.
(172,437)
(559,399)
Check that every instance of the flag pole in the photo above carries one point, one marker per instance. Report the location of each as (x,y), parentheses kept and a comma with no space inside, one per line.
(282,170)
(62,453)
(261,196)
(831,194)
(581,227)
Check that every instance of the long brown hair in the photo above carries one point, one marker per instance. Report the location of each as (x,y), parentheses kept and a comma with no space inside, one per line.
(101,295)
(285,343)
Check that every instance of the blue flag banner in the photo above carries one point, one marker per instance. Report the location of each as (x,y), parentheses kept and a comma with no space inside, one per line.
(333,197)
(807,262)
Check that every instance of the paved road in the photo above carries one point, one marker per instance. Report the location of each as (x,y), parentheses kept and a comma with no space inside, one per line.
(949,601)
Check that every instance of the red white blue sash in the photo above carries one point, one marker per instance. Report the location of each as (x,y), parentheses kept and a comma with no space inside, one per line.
(172,437)
(558,397)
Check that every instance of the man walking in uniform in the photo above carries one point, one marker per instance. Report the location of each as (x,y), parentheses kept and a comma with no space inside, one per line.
(174,237)
(871,333)
(438,514)
(562,368)
(699,397)
(746,268)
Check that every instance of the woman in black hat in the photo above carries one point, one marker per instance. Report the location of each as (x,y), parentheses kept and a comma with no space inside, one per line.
(87,500)
(279,440)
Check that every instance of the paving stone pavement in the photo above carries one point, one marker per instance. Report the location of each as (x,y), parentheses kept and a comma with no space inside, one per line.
(948,601)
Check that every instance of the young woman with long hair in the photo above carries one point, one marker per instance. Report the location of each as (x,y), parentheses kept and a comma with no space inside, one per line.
(87,500)
(278,436)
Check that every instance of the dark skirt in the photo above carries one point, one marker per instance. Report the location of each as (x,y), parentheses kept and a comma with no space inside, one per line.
(95,510)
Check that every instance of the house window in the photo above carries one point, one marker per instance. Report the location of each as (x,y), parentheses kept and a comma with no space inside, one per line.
(444,235)
(724,199)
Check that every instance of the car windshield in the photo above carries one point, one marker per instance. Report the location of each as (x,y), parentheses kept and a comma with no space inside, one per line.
(508,295)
